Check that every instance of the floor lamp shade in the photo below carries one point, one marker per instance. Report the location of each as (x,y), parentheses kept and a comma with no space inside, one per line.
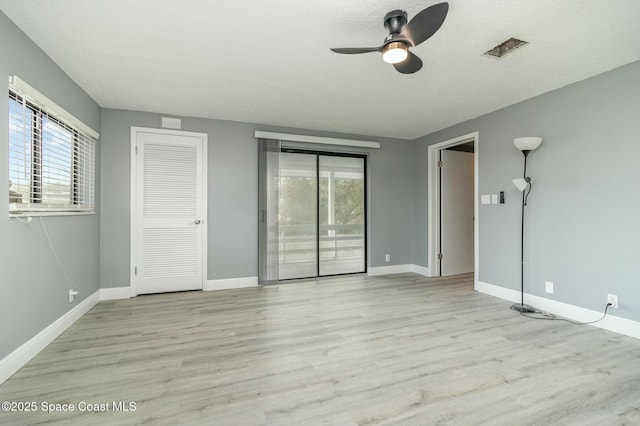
(520,183)
(528,143)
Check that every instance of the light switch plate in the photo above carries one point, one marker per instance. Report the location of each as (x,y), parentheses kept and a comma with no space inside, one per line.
(494,198)
(485,199)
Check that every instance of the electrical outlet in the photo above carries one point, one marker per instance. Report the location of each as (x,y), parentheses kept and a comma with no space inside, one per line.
(613,299)
(72,294)
(548,287)
(387,257)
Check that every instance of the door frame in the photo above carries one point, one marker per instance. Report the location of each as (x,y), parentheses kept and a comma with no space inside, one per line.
(133,200)
(433,152)
(318,153)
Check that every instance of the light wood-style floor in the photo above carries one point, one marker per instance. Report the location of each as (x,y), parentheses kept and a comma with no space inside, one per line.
(401,349)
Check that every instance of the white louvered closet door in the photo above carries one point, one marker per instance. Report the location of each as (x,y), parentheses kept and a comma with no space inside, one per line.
(169,212)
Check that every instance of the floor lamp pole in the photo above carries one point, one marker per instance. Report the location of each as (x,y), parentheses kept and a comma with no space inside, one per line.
(521,307)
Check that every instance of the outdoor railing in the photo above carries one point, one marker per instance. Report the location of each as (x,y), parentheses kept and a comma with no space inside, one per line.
(336,241)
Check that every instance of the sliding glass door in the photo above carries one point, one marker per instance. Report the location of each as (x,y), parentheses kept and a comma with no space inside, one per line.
(341,215)
(321,214)
(298,216)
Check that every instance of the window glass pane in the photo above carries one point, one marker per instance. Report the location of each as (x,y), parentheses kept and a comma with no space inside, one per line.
(57,161)
(20,131)
(84,171)
(342,213)
(297,216)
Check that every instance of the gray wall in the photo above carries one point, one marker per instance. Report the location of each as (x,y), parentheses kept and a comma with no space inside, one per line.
(233,196)
(583,218)
(33,288)
(583,227)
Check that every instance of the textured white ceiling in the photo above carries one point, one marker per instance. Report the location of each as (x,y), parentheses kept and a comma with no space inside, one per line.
(268,61)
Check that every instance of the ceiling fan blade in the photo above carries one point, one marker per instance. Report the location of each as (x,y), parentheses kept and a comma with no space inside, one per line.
(425,24)
(410,65)
(355,50)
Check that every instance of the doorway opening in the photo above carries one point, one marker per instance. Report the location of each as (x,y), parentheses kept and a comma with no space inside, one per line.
(453,206)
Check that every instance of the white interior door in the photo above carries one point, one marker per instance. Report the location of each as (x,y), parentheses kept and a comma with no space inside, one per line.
(456,218)
(169,210)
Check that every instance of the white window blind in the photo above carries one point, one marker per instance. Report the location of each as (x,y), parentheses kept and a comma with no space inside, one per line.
(51,163)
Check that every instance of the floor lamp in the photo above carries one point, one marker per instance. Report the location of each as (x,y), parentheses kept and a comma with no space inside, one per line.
(526,145)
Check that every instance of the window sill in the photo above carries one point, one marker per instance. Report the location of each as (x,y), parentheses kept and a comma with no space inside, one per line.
(44,213)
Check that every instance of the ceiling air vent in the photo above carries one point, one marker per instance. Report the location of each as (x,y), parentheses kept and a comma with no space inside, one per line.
(505,47)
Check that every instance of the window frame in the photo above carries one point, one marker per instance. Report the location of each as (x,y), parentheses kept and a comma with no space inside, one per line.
(82,144)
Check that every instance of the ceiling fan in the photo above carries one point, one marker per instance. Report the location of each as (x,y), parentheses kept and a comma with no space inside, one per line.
(403,35)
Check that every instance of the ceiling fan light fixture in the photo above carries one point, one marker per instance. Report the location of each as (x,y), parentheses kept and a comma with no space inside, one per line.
(394,53)
(403,35)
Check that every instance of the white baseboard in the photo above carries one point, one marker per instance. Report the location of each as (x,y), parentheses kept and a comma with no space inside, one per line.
(375,271)
(499,292)
(610,322)
(115,293)
(23,354)
(231,283)
(421,270)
